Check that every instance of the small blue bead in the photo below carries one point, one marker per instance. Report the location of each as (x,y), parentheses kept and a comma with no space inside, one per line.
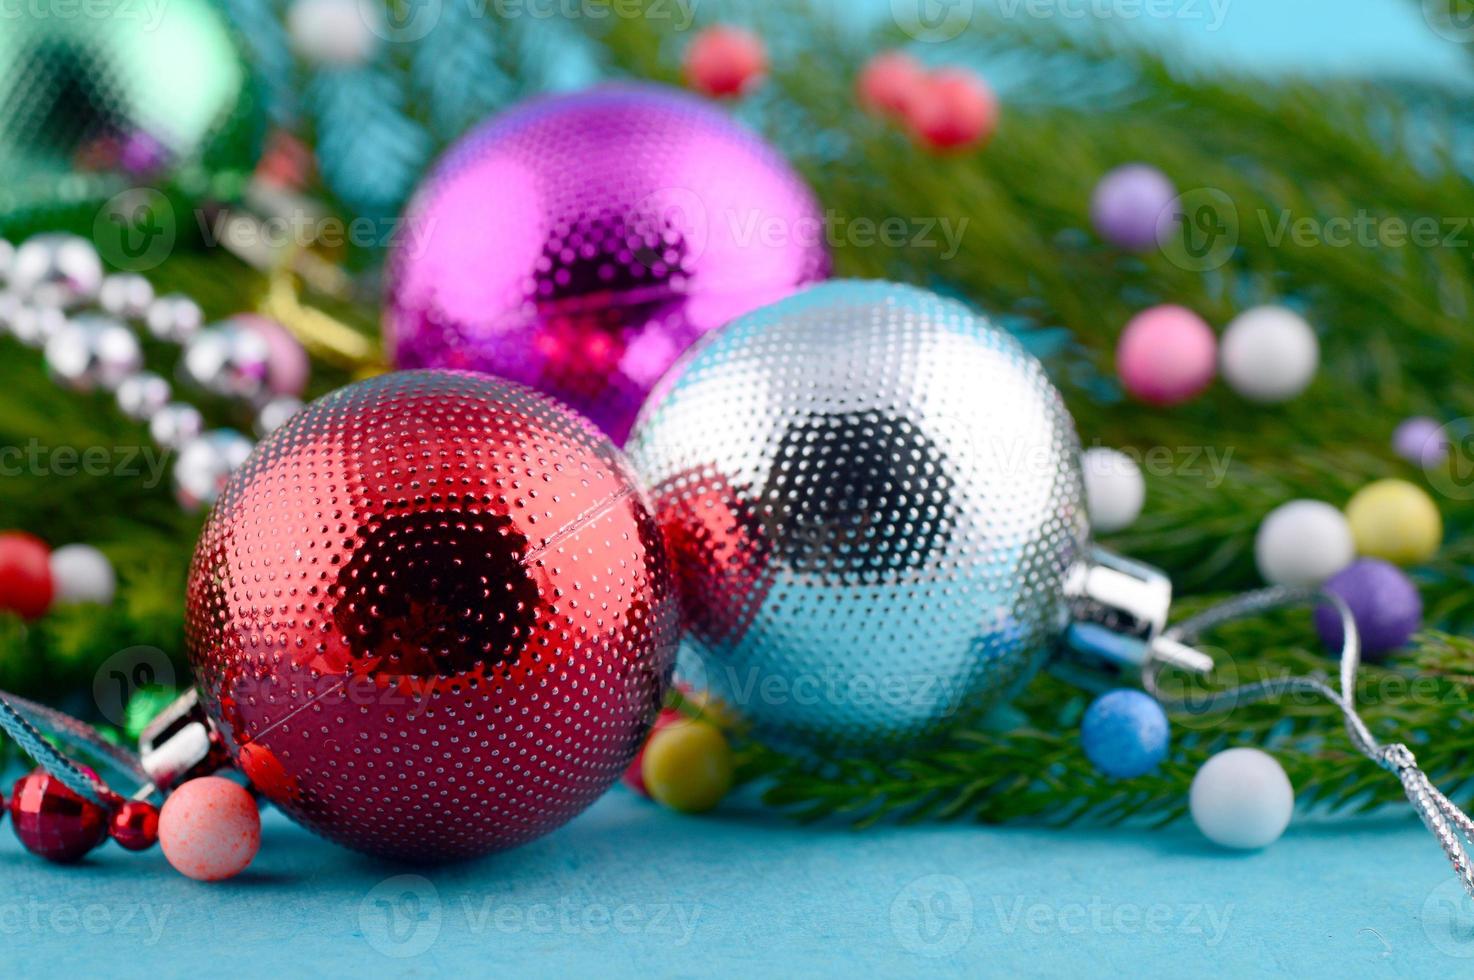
(1125,733)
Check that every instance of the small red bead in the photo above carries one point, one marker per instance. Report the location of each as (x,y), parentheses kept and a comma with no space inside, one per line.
(135,825)
(954,110)
(726,61)
(889,82)
(26,587)
(54,822)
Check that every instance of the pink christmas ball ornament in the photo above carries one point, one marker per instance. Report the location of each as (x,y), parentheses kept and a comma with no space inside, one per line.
(210,829)
(1166,355)
(579,244)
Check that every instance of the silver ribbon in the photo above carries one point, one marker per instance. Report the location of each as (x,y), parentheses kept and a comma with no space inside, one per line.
(1451,826)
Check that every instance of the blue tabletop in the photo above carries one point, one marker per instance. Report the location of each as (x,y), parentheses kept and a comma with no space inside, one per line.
(629,889)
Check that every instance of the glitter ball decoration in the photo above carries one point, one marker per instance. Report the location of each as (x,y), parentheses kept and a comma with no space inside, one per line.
(1242,799)
(1303,542)
(432,615)
(1132,206)
(579,244)
(1166,355)
(1125,733)
(135,825)
(1384,602)
(116,91)
(52,821)
(872,497)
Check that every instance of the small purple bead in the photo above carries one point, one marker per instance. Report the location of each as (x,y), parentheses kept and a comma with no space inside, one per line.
(1383,600)
(1131,205)
(1421,441)
(1125,733)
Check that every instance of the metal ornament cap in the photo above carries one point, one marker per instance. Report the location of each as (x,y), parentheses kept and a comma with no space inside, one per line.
(873,499)
(580,243)
(430,617)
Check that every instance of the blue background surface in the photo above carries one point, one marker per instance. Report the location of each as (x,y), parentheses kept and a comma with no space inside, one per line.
(631,890)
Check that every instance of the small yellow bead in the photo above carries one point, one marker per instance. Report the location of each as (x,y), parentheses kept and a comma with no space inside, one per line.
(688,766)
(1395,521)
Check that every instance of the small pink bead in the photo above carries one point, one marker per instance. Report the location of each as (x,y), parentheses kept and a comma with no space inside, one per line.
(726,61)
(210,829)
(888,83)
(1166,355)
(287,366)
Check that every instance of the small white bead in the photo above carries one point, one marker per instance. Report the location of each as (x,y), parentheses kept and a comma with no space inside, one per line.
(81,573)
(126,295)
(1114,489)
(174,318)
(143,395)
(339,33)
(1242,798)
(1269,354)
(93,352)
(34,326)
(1303,542)
(175,424)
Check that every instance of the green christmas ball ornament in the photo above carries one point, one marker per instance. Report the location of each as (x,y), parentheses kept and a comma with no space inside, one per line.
(97,98)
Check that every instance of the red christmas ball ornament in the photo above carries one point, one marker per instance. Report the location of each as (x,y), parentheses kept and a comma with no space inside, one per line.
(953,110)
(52,821)
(26,586)
(135,825)
(432,616)
(726,61)
(889,82)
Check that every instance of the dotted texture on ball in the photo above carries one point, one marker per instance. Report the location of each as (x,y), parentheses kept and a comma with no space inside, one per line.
(872,497)
(432,615)
(580,243)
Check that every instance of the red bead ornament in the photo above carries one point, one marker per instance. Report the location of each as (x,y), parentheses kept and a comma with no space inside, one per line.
(726,61)
(889,82)
(26,586)
(135,825)
(953,110)
(633,777)
(432,616)
(54,822)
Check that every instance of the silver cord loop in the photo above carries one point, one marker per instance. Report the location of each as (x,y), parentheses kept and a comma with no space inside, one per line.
(1440,815)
